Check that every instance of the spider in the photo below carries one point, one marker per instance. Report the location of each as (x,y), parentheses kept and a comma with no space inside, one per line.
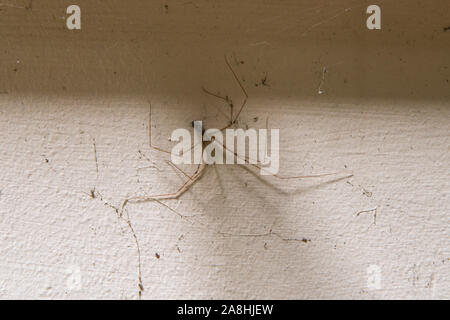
(192,179)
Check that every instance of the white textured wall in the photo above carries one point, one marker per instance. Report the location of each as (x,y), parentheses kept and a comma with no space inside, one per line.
(74,123)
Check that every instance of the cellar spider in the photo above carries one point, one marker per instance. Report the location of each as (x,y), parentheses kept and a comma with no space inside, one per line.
(192,179)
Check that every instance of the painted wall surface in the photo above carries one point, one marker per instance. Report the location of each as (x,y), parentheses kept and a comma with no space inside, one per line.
(74,144)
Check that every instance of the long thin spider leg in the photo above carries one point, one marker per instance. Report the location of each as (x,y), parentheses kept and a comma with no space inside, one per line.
(236,77)
(167,196)
(303,177)
(226,99)
(150,131)
(178,169)
(240,110)
(278,176)
(196,144)
(242,88)
(182,216)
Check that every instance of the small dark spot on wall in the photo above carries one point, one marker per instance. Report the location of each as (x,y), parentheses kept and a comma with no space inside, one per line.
(263,81)
(157,256)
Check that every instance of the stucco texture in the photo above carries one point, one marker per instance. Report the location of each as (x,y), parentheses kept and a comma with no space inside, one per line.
(74,144)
